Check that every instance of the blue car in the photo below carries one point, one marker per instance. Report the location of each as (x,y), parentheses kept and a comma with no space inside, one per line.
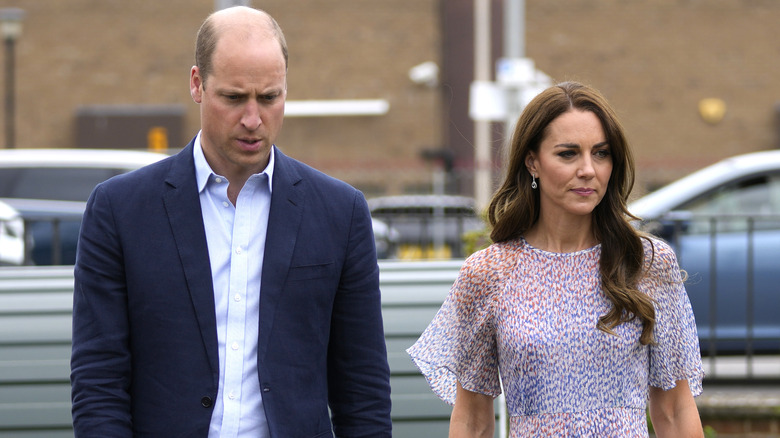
(724,224)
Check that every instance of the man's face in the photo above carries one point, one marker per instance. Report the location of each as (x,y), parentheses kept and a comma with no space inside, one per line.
(242,103)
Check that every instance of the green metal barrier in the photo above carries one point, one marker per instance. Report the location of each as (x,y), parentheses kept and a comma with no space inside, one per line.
(35,337)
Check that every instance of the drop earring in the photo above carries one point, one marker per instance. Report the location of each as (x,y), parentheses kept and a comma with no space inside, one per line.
(533,181)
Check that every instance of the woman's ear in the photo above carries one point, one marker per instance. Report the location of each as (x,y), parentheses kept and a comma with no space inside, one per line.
(530,163)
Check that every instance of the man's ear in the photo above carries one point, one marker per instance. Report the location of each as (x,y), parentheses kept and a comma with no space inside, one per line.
(196,84)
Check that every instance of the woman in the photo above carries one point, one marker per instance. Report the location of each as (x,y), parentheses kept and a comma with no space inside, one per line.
(584,317)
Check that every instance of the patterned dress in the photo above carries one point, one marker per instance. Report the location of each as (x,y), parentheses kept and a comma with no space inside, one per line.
(531,315)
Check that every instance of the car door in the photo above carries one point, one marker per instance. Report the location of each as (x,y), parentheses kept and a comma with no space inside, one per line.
(728,242)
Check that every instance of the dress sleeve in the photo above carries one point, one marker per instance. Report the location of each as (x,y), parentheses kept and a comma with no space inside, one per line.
(675,354)
(459,345)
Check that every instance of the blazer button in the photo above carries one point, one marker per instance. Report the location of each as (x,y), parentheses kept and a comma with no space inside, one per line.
(205,402)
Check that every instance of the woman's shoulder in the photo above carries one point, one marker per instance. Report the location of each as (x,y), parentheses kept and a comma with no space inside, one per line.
(497,254)
(493,261)
(482,275)
(660,259)
(657,249)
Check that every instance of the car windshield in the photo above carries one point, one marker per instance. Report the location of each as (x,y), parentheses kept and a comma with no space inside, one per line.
(47,182)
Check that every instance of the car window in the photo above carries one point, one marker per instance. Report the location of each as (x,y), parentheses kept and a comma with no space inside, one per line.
(758,195)
(63,184)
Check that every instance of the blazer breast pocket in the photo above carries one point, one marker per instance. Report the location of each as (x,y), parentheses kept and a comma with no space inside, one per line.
(310,272)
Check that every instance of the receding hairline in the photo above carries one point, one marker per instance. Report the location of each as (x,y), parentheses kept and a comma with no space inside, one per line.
(241,21)
(253,19)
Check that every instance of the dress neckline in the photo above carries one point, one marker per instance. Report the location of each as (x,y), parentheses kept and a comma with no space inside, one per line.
(559,254)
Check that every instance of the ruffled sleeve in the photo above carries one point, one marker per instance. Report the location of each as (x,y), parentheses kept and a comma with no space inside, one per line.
(675,354)
(459,345)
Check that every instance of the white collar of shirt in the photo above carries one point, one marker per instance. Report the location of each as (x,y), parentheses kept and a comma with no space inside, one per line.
(203,170)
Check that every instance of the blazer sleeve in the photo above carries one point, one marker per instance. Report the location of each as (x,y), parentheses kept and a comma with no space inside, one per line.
(358,371)
(100,360)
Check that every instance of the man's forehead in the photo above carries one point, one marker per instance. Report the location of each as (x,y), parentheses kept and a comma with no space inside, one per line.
(246,40)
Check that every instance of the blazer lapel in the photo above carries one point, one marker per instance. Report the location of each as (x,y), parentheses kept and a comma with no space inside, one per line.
(182,204)
(285,216)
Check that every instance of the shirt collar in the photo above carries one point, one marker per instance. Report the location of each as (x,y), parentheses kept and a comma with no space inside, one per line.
(203,170)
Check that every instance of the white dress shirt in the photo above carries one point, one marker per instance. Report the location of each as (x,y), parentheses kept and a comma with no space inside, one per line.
(236,242)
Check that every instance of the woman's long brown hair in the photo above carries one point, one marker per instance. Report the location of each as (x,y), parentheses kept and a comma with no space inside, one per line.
(515,206)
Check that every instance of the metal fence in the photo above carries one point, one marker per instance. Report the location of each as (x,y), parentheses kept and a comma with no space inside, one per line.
(418,235)
(732,263)
(51,240)
(733,281)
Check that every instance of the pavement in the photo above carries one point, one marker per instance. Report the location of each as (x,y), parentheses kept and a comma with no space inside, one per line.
(741,397)
(748,400)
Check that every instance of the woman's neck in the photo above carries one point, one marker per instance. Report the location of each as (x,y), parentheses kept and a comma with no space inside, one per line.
(561,236)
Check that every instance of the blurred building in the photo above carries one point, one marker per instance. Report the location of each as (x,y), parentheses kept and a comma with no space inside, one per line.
(111,73)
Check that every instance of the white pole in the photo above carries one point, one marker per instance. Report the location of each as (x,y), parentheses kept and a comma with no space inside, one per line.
(483,161)
(514,48)
(514,28)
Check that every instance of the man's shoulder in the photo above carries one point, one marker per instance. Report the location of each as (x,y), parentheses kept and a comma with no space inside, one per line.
(312,176)
(149,176)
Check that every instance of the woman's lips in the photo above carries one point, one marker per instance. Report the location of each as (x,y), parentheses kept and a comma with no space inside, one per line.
(583,191)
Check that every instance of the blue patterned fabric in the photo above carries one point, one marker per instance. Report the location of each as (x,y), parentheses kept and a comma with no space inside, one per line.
(532,314)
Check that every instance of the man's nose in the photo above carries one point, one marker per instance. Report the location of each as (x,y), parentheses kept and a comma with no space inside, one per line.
(251,119)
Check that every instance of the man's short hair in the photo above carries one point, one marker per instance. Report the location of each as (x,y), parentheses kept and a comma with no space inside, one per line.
(208,36)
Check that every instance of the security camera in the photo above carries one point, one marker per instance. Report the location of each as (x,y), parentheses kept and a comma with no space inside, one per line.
(426,74)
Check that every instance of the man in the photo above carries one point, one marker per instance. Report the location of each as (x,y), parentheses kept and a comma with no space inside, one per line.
(229,290)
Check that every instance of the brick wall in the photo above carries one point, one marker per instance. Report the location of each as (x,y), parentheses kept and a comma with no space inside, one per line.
(110,52)
(654,60)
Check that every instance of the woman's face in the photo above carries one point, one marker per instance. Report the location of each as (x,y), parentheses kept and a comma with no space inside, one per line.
(572,166)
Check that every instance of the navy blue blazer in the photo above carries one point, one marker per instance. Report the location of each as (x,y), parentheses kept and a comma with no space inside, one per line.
(145,359)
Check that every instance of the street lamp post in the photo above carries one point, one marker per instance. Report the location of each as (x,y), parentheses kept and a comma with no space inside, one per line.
(11,29)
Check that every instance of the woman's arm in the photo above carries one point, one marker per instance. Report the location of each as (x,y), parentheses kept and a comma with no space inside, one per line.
(674,412)
(472,416)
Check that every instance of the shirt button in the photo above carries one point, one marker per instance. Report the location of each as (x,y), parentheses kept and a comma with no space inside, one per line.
(237,298)
(234,346)
(231,396)
(225,204)
(238,250)
(219,180)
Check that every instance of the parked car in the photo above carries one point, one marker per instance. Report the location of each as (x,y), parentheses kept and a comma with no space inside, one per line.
(50,187)
(12,244)
(428,226)
(385,239)
(724,223)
